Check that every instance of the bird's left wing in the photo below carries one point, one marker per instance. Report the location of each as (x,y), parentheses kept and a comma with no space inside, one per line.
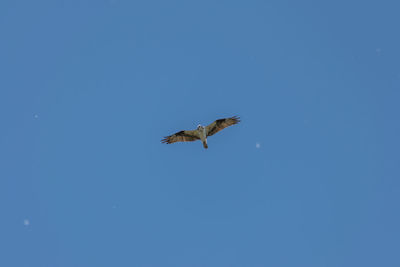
(182,136)
(220,124)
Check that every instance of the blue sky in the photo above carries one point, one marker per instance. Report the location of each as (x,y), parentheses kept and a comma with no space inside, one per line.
(89,88)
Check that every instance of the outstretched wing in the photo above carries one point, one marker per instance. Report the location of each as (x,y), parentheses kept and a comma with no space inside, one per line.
(220,124)
(182,136)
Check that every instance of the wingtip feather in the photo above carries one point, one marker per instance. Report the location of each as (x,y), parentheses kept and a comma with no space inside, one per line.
(236,119)
(165,140)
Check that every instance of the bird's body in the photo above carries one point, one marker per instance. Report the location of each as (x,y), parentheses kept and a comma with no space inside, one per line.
(201,133)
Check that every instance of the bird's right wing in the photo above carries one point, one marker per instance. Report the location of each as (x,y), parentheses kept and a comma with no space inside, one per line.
(182,136)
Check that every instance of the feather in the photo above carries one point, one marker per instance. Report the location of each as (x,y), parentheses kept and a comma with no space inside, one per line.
(182,136)
(221,124)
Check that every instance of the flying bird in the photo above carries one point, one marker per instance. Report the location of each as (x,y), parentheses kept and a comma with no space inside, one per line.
(201,133)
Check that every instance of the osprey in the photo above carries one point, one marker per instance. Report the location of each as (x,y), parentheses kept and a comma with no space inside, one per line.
(201,133)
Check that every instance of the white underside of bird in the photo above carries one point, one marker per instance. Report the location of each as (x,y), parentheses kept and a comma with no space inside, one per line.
(203,135)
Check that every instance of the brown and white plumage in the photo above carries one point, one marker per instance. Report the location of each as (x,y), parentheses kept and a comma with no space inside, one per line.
(201,133)
(221,124)
(182,136)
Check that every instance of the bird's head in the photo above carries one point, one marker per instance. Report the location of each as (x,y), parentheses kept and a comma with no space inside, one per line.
(199,127)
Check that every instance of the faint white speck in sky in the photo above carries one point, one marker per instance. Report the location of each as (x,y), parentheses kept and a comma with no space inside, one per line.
(378,51)
(36,116)
(258,145)
(26,222)
(114,206)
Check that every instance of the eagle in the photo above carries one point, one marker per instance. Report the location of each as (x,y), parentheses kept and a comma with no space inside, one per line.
(201,133)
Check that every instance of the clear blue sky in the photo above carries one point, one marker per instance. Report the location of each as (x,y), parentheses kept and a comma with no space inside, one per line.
(89,88)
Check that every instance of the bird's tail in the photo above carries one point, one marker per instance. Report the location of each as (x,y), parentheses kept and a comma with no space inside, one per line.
(205,144)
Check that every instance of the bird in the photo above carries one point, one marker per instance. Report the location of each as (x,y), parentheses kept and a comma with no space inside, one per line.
(201,133)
